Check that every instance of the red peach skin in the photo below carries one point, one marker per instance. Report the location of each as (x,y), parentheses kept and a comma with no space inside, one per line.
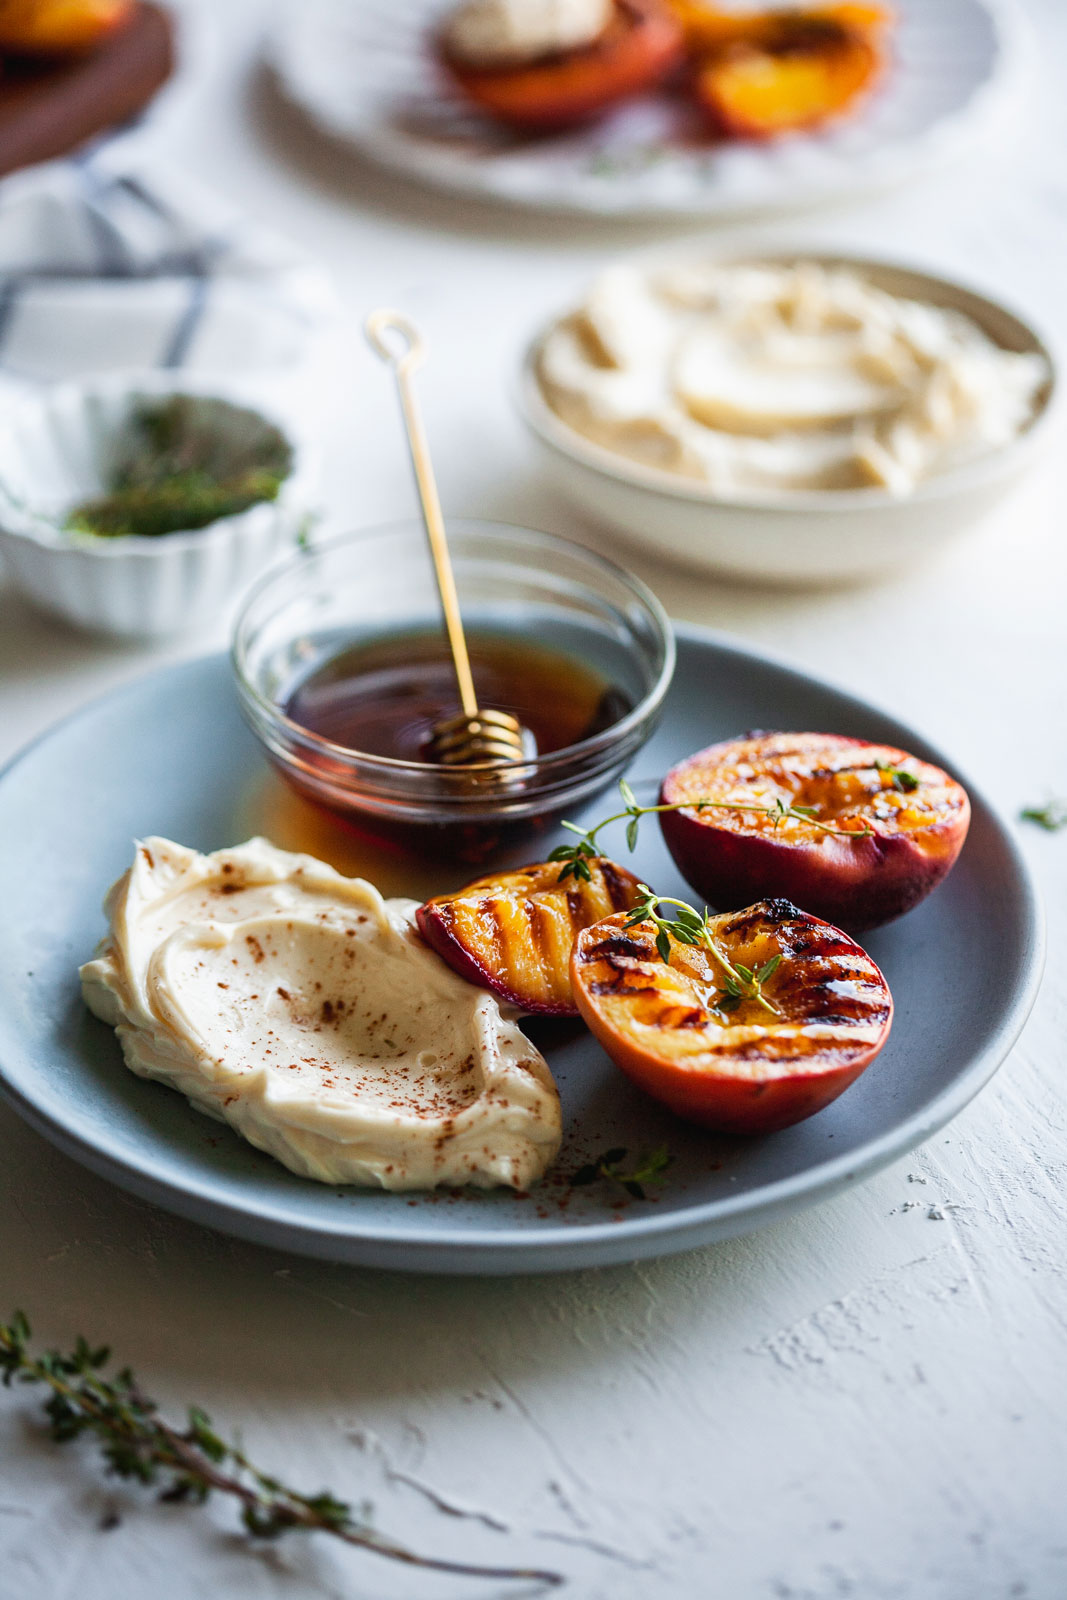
(746,1072)
(638,48)
(732,857)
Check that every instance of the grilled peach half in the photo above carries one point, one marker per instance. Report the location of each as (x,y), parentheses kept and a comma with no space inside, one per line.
(753,1067)
(710,30)
(56,27)
(513,933)
(639,46)
(798,71)
(877,829)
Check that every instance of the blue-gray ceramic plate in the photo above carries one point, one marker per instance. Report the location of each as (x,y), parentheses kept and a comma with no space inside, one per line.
(169,755)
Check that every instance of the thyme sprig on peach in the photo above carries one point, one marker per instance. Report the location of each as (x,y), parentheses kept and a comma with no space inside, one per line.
(689,927)
(649,998)
(575,858)
(902,780)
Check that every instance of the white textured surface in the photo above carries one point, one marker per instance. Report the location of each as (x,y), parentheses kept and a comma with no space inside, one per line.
(867,1401)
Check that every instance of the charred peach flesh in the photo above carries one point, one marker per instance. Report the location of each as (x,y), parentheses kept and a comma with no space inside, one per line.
(513,932)
(709,29)
(884,828)
(48,27)
(754,1068)
(781,72)
(640,45)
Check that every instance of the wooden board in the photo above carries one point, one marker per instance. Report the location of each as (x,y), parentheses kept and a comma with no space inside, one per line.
(48,108)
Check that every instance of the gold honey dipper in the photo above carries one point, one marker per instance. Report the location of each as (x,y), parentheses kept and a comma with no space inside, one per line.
(473,736)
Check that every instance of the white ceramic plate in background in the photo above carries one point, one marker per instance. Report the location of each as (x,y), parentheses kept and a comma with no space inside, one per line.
(364,73)
(798,537)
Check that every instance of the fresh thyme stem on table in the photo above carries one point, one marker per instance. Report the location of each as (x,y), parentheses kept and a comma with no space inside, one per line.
(1052,816)
(575,857)
(190,1463)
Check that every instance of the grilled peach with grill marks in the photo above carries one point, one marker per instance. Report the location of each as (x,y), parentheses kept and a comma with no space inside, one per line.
(59,27)
(639,46)
(750,1064)
(709,30)
(772,73)
(513,932)
(857,833)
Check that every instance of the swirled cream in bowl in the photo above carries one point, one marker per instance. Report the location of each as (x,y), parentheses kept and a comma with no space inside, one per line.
(787,417)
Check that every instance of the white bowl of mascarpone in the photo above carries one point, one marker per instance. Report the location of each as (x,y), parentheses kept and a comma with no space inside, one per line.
(790,418)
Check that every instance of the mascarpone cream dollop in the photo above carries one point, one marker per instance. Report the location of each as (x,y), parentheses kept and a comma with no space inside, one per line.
(504,33)
(787,376)
(304,1010)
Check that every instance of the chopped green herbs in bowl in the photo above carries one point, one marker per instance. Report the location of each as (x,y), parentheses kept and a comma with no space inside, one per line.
(185,462)
(145,505)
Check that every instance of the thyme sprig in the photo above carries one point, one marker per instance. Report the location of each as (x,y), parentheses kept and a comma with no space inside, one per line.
(575,858)
(649,1168)
(1051,816)
(689,927)
(900,778)
(189,1464)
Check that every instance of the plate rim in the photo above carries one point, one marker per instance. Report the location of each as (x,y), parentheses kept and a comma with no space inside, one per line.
(564,1247)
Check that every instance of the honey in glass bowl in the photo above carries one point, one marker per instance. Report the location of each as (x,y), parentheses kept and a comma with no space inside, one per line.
(385,696)
(343,670)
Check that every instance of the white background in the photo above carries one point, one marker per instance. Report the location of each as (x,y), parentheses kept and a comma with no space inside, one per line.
(867,1400)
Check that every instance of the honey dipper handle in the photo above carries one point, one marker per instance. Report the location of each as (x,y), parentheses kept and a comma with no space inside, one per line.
(405,353)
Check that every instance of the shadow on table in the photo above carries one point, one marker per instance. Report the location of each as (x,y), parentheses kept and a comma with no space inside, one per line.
(79,1255)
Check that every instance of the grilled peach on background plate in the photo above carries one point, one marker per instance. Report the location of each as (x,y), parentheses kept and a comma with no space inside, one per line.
(735,1065)
(639,46)
(513,932)
(54,27)
(767,73)
(877,829)
(710,29)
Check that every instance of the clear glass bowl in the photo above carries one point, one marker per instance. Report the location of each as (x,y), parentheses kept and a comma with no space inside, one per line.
(379,582)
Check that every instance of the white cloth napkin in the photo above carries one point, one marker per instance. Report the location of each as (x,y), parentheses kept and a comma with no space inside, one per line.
(108,266)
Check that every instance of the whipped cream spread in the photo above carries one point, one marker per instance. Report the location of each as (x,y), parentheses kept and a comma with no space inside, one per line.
(504,33)
(304,1010)
(788,376)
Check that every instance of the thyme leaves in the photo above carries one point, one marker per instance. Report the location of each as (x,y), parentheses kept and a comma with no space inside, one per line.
(574,858)
(188,1464)
(739,983)
(1052,816)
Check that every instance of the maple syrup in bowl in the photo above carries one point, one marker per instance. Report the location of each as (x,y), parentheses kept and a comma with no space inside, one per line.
(343,671)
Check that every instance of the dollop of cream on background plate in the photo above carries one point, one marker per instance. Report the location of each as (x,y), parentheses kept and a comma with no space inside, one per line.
(304,1010)
(782,376)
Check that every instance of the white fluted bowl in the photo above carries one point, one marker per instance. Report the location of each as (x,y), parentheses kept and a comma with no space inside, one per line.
(56,447)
